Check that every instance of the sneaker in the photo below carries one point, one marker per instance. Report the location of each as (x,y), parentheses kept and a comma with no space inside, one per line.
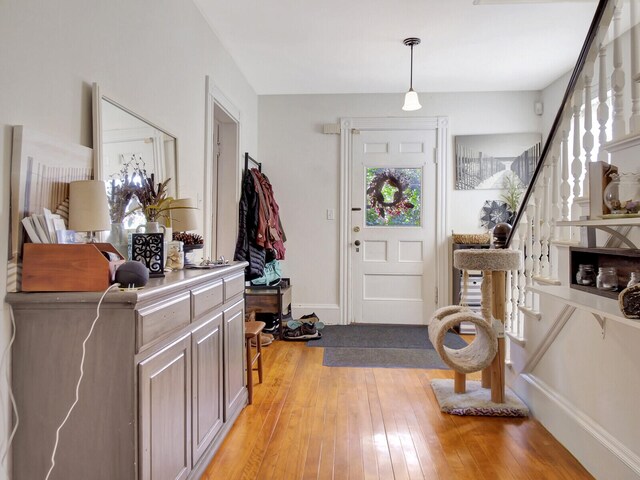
(304,332)
(311,318)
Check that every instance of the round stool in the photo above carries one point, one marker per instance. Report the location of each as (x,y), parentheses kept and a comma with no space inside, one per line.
(252,330)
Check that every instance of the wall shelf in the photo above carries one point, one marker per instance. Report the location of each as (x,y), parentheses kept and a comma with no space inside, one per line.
(625,260)
(598,306)
(601,222)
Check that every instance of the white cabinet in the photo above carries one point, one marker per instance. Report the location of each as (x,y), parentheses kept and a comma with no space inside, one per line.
(164,381)
(164,377)
(207,383)
(234,381)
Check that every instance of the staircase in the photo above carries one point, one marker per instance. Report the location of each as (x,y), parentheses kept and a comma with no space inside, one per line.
(572,356)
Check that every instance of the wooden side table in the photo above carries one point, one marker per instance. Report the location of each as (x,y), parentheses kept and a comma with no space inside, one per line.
(269,299)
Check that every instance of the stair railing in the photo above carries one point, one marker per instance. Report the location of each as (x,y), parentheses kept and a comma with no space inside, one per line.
(558,190)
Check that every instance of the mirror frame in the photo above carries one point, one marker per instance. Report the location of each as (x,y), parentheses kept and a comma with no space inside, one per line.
(98,164)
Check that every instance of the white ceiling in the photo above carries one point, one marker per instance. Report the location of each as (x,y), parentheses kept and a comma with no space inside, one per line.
(355,46)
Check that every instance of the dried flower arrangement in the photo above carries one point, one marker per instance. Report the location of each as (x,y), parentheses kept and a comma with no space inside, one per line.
(153,198)
(122,189)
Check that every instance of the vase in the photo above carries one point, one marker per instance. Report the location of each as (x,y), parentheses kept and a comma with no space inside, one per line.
(151,227)
(622,195)
(118,238)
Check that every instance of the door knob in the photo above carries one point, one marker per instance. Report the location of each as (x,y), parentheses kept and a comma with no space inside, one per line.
(357,243)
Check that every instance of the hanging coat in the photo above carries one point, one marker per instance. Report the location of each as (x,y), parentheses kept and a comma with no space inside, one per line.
(246,247)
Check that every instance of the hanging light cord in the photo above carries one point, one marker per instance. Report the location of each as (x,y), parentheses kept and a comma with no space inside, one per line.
(411,77)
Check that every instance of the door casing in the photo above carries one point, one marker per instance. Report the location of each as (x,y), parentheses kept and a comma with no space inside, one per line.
(351,126)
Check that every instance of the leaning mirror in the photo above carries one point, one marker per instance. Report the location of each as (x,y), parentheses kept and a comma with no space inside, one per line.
(126,147)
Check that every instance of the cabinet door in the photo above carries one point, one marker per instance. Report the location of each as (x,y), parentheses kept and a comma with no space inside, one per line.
(164,382)
(233,357)
(206,344)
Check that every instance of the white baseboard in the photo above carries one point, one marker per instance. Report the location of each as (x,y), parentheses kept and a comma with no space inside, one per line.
(328,313)
(603,455)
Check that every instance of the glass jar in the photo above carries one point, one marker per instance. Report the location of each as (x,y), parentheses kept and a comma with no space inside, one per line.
(634,279)
(622,195)
(586,275)
(607,278)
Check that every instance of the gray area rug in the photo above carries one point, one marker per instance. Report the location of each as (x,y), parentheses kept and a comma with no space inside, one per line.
(381,346)
(381,336)
(382,358)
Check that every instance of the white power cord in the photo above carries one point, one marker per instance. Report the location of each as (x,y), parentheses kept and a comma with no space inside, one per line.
(84,351)
(6,448)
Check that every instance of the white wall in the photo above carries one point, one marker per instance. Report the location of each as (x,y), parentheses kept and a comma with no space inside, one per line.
(149,55)
(303,165)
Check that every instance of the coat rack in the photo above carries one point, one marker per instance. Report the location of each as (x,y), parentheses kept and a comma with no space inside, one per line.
(247,159)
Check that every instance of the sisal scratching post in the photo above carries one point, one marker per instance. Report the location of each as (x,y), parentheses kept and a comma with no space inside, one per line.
(485,302)
(493,263)
(497,366)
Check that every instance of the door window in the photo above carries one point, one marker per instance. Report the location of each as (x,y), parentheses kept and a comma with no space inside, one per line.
(393,197)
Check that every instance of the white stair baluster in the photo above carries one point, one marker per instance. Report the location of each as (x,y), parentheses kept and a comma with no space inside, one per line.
(634,121)
(515,289)
(587,138)
(536,231)
(565,187)
(576,164)
(545,225)
(556,213)
(523,229)
(617,77)
(603,108)
(528,262)
(507,310)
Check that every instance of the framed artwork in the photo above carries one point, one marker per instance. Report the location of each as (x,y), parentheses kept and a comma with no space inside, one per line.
(486,161)
(41,169)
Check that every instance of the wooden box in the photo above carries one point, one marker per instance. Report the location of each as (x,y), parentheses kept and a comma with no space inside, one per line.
(67,268)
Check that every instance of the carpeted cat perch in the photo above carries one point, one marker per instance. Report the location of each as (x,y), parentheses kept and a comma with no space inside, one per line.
(486,352)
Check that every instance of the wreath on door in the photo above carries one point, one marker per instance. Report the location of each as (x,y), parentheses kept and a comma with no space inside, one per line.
(397,205)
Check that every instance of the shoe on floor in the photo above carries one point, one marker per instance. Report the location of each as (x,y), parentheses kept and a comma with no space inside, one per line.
(303,333)
(310,318)
(265,339)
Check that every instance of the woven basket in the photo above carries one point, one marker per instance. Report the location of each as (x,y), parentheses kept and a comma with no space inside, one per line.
(471,238)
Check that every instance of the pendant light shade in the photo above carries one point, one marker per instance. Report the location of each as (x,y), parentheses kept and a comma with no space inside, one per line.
(411,101)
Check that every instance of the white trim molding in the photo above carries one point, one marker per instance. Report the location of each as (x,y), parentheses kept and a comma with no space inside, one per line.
(607,457)
(214,96)
(348,126)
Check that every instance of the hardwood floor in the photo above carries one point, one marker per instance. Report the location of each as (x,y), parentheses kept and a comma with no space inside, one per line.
(313,422)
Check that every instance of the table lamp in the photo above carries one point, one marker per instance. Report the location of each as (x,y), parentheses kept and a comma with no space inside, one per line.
(184,218)
(89,207)
(183,215)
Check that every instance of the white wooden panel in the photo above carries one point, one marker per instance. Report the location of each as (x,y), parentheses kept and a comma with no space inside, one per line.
(392,287)
(411,147)
(375,251)
(376,148)
(410,251)
(384,311)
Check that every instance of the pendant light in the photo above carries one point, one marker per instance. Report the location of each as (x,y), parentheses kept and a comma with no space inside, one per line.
(411,101)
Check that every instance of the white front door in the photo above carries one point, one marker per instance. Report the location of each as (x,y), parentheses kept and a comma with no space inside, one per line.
(393,226)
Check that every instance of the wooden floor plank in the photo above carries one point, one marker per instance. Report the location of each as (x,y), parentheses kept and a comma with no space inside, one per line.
(310,422)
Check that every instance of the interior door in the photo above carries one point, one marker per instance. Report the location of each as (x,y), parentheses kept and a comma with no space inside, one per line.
(393,226)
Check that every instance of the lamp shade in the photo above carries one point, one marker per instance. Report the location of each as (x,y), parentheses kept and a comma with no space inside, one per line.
(411,101)
(183,215)
(88,206)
